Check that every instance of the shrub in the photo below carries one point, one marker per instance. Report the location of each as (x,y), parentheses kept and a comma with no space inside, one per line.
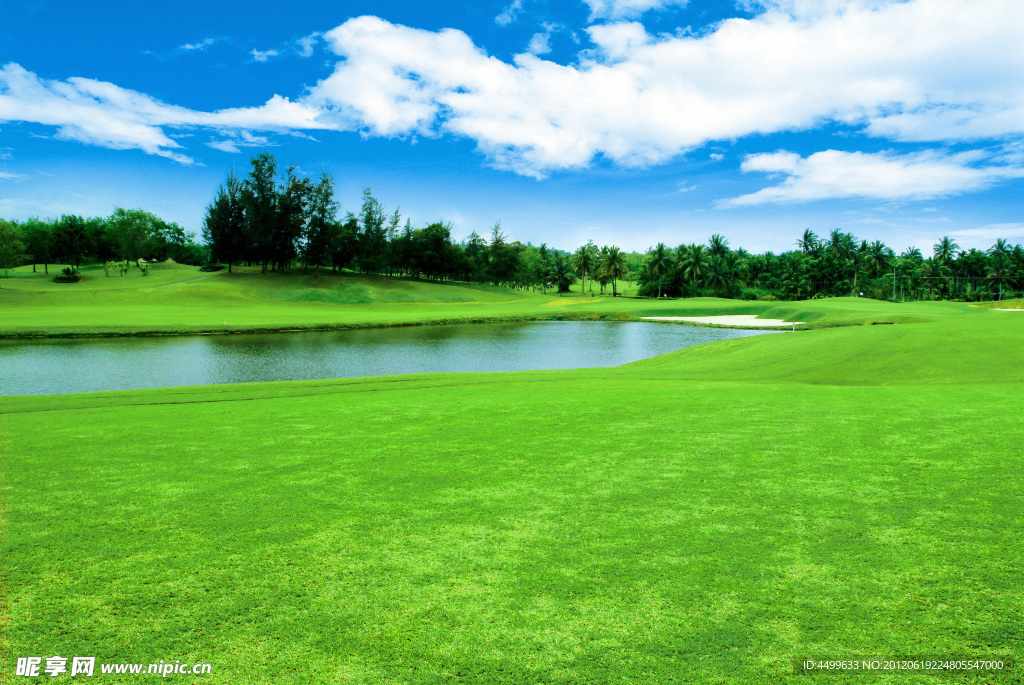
(211,266)
(68,274)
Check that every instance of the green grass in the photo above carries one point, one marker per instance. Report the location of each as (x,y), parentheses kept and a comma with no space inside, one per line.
(700,517)
(180,299)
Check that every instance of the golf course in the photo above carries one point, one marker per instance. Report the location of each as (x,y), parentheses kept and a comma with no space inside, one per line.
(719,514)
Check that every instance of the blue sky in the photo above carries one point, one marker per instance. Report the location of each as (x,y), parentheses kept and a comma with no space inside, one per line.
(628,122)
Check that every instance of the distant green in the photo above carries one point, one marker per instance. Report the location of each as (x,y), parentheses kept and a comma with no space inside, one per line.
(181,299)
(700,517)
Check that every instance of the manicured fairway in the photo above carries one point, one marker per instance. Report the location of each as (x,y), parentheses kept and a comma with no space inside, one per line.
(701,517)
(179,299)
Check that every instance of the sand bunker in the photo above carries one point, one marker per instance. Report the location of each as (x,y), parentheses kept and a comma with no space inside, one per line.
(745,320)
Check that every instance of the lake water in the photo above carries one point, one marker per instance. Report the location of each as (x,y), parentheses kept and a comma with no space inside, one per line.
(42,367)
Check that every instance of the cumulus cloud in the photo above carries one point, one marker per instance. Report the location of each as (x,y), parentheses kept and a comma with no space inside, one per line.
(617,9)
(904,70)
(881,176)
(263,55)
(510,13)
(304,45)
(895,69)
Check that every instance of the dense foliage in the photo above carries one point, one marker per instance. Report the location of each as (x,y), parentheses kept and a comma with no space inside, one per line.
(838,265)
(126,235)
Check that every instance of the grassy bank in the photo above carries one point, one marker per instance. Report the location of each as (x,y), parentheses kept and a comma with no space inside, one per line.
(701,517)
(175,299)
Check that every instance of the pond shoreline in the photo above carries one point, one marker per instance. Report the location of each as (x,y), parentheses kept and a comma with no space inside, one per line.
(320,328)
(39,366)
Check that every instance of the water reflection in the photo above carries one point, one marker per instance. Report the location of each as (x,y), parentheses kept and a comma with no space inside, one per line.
(87,365)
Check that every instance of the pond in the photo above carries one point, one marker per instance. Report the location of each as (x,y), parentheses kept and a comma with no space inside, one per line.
(92,364)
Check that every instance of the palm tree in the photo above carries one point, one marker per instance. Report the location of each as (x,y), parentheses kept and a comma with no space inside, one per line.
(932,270)
(717,245)
(1001,247)
(808,242)
(794,280)
(879,259)
(659,263)
(1000,269)
(913,254)
(561,273)
(545,266)
(583,262)
(945,249)
(613,266)
(693,262)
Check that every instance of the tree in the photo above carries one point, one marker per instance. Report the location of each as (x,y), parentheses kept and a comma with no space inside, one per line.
(259,198)
(322,228)
(717,246)
(1000,270)
(694,263)
(544,265)
(879,259)
(289,228)
(724,272)
(131,231)
(38,238)
(502,262)
(659,263)
(808,243)
(583,262)
(12,249)
(561,273)
(945,249)
(935,272)
(613,265)
(69,239)
(224,227)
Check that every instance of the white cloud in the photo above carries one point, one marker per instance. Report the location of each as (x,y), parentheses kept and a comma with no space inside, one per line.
(637,98)
(201,45)
(263,55)
(618,9)
(1012,232)
(239,139)
(882,176)
(7,176)
(509,14)
(306,43)
(920,70)
(540,44)
(716,156)
(103,114)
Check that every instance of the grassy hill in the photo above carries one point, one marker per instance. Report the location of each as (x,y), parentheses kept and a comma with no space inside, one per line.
(180,299)
(705,516)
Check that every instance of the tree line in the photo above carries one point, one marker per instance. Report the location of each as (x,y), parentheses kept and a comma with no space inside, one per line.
(275,219)
(279,219)
(837,265)
(127,234)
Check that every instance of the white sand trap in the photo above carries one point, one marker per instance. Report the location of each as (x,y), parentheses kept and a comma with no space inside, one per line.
(745,320)
(1007,310)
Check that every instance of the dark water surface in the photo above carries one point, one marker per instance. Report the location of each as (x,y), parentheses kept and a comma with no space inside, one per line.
(92,364)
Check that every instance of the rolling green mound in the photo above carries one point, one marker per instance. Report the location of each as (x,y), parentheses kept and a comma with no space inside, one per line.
(175,299)
(968,349)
